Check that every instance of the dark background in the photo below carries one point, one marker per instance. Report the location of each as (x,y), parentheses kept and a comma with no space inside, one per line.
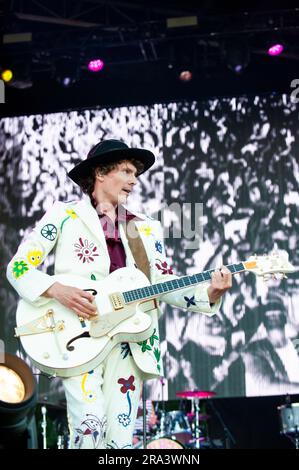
(143,57)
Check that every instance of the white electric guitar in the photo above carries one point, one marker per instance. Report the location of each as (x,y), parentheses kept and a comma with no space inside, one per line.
(61,344)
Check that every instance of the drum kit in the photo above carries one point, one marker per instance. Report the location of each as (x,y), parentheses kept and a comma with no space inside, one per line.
(52,425)
(289,421)
(175,429)
(178,429)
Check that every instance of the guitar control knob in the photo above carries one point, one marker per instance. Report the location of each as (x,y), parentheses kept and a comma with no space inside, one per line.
(136,321)
(46,355)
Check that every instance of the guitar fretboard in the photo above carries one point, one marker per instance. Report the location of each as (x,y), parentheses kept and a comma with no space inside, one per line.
(161,288)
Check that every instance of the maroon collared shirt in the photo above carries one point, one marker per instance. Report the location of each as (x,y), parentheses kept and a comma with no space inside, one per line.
(114,244)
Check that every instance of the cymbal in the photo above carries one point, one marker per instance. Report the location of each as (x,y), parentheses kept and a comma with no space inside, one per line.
(195,394)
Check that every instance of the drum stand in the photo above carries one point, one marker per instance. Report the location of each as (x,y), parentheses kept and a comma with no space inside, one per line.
(144,416)
(162,427)
(161,431)
(294,438)
(44,426)
(60,442)
(196,424)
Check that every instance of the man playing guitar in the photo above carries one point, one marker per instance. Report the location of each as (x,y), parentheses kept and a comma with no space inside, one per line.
(90,240)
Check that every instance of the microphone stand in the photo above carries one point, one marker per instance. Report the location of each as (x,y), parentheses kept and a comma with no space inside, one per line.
(144,410)
(229,438)
(161,432)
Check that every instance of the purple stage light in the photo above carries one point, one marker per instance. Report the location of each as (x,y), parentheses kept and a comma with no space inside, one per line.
(95,65)
(276,49)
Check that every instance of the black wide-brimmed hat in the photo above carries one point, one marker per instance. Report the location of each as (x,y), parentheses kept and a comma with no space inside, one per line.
(110,151)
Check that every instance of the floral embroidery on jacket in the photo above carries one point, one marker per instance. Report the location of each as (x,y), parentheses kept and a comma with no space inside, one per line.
(146,230)
(113,445)
(86,251)
(89,396)
(150,347)
(164,267)
(34,257)
(127,385)
(190,300)
(19,268)
(71,215)
(158,246)
(125,350)
(92,427)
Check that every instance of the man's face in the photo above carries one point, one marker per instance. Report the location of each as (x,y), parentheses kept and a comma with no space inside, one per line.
(115,187)
(274,319)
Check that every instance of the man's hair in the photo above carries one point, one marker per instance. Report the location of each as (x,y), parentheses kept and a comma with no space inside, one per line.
(87,183)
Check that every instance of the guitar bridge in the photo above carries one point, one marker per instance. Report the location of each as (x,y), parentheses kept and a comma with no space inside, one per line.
(117,301)
(43,324)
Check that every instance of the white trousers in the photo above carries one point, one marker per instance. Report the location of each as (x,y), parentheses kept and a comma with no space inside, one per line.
(102,404)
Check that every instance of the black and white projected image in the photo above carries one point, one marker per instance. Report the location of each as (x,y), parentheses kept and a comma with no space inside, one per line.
(238,157)
(234,158)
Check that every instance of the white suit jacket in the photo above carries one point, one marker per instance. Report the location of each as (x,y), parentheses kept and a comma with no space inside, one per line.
(74,231)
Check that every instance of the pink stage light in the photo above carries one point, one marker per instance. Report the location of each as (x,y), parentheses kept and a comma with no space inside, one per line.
(276,49)
(95,65)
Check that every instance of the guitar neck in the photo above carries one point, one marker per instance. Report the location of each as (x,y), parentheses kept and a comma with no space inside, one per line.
(157,290)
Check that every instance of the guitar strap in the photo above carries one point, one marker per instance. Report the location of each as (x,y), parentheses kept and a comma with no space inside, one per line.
(137,248)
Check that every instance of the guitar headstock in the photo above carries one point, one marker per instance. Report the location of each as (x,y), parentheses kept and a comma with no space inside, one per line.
(274,264)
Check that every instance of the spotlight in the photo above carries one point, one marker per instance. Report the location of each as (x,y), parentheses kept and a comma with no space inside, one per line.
(236,55)
(12,389)
(185,76)
(18,397)
(95,65)
(18,75)
(275,49)
(6,75)
(66,71)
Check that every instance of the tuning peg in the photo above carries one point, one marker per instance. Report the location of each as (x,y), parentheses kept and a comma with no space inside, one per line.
(278,276)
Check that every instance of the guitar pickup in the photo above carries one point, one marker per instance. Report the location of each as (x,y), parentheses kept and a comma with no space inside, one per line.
(117,300)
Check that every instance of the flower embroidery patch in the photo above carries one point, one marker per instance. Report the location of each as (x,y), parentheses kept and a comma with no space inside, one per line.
(163,267)
(91,430)
(89,396)
(34,257)
(145,346)
(86,251)
(71,215)
(126,385)
(113,445)
(158,246)
(19,268)
(125,350)
(124,419)
(190,301)
(146,230)
(49,231)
